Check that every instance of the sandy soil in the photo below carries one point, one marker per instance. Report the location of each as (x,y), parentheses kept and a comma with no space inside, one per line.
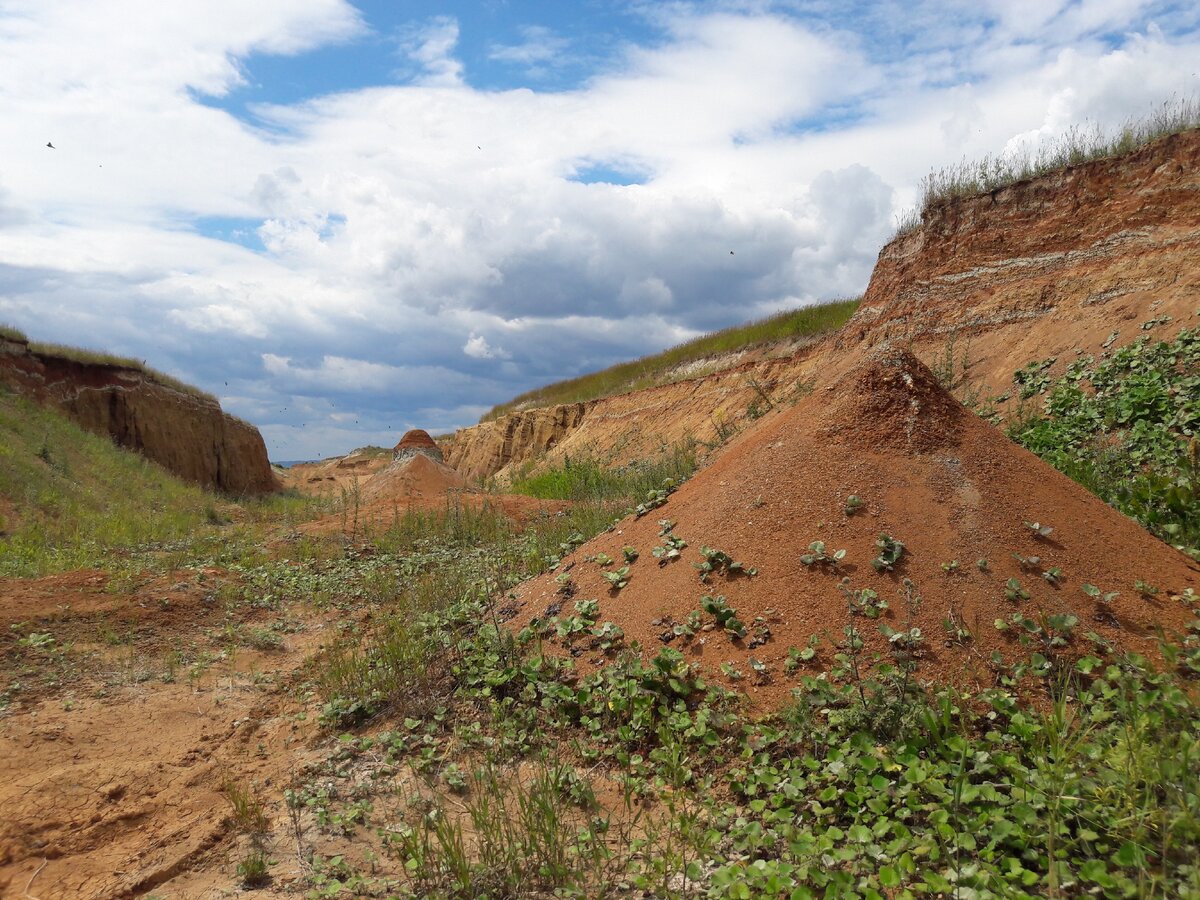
(112,762)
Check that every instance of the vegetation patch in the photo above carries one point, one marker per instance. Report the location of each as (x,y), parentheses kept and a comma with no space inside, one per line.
(587,479)
(1063,779)
(1127,427)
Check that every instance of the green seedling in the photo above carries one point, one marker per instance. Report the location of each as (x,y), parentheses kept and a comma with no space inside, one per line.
(1102,599)
(607,636)
(629,553)
(656,498)
(853,504)
(890,551)
(908,640)
(689,627)
(722,563)
(863,601)
(37,640)
(1028,562)
(1053,575)
(730,671)
(957,633)
(725,615)
(1039,530)
(617,579)
(586,612)
(600,559)
(1014,591)
(797,656)
(981,564)
(950,567)
(671,548)
(1145,588)
(816,554)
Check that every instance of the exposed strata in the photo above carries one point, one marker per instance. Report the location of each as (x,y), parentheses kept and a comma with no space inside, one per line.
(185,433)
(417,442)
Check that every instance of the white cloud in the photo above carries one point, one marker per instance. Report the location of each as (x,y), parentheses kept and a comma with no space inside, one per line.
(540,49)
(431,47)
(477,347)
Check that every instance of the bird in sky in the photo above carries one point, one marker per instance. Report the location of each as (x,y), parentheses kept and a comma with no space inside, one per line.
(50,144)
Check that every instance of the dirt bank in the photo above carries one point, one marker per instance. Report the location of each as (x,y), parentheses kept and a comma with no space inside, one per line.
(185,433)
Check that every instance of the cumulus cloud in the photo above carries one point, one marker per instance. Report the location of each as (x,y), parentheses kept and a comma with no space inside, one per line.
(477,347)
(368,230)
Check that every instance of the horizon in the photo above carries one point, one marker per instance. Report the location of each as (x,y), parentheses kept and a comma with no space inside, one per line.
(351,220)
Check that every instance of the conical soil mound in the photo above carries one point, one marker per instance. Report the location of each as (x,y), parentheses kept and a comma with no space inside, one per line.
(931,475)
(414,477)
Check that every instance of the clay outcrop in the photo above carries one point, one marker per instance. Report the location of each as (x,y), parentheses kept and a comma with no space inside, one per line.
(187,434)
(417,442)
(1097,244)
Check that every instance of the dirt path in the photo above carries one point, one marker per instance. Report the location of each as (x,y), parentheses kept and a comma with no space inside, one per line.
(112,763)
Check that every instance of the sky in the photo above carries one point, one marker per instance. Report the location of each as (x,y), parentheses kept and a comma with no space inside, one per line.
(350,219)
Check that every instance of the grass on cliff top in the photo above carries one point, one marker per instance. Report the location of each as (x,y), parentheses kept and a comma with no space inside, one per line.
(12,334)
(809,321)
(101,358)
(1079,145)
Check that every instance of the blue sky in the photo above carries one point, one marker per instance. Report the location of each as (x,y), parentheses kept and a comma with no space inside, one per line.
(351,219)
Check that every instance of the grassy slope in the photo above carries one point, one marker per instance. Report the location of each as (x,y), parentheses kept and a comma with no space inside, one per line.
(73,496)
(650,370)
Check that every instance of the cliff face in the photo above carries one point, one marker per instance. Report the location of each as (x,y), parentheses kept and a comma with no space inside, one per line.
(187,434)
(1079,261)
(1048,265)
(633,426)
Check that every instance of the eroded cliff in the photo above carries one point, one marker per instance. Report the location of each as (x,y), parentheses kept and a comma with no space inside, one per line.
(186,433)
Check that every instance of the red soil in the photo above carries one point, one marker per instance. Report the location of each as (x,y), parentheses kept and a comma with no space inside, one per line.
(417,439)
(932,475)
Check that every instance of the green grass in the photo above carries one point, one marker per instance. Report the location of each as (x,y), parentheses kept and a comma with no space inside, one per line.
(587,479)
(12,334)
(77,497)
(1079,145)
(809,321)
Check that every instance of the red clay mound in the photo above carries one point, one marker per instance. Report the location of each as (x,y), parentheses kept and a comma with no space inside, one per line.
(941,481)
(417,439)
